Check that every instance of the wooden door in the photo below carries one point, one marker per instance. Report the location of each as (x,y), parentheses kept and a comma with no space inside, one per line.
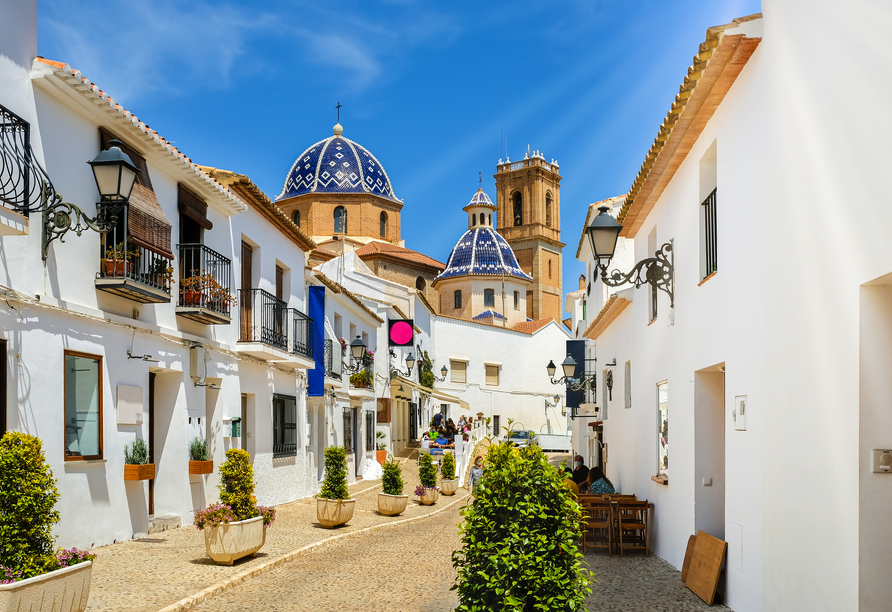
(245,301)
(152,376)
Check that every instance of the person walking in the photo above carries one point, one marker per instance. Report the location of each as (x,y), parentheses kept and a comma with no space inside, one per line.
(438,420)
(476,473)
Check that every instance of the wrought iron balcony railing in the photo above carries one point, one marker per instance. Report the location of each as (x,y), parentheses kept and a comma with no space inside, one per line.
(123,259)
(204,279)
(262,318)
(301,333)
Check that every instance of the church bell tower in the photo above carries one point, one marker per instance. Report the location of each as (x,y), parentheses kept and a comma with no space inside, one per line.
(528,195)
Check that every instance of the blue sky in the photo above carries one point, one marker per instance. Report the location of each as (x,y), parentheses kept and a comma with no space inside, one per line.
(427,87)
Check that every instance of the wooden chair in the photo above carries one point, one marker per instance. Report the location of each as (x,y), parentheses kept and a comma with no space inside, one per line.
(631,524)
(597,531)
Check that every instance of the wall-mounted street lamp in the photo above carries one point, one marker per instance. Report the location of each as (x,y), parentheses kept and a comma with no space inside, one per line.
(410,364)
(568,366)
(656,271)
(444,371)
(357,353)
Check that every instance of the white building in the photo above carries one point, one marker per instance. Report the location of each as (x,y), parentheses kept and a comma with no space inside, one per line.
(771,370)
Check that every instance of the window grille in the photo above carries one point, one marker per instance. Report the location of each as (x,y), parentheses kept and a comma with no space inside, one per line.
(284,426)
(369,430)
(709,238)
(456,299)
(348,429)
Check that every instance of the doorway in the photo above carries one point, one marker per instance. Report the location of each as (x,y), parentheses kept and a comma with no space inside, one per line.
(413,421)
(709,450)
(357,446)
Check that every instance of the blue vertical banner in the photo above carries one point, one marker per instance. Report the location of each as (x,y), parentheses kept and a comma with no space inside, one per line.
(316,307)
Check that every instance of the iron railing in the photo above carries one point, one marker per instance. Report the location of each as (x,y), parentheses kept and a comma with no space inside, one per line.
(301,333)
(333,359)
(262,318)
(709,228)
(284,426)
(204,278)
(21,178)
(122,258)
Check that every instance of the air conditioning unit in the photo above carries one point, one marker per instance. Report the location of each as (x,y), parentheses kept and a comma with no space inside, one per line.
(198,359)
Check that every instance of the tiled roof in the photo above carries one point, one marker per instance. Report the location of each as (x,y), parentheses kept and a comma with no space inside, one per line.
(76,80)
(531,327)
(592,212)
(715,68)
(482,324)
(338,288)
(385,249)
(481,199)
(482,251)
(489,314)
(609,312)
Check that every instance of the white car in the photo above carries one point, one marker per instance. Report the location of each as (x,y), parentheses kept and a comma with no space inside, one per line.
(521,437)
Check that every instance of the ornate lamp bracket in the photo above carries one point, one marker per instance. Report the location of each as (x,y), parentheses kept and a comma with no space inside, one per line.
(60,217)
(657,271)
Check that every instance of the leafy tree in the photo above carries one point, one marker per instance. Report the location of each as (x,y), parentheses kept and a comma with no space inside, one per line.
(335,484)
(392,481)
(427,472)
(519,535)
(237,484)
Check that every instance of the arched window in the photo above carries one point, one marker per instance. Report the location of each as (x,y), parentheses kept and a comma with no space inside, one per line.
(473,219)
(340,220)
(295,216)
(518,208)
(420,283)
(548,210)
(549,268)
(382,229)
(490,221)
(489,297)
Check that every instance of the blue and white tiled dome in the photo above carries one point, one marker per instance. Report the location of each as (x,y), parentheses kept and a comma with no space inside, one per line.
(337,165)
(481,199)
(482,251)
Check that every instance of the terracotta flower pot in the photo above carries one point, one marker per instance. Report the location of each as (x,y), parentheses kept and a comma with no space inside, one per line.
(228,542)
(201,467)
(117,267)
(145,471)
(334,512)
(430,497)
(381,456)
(65,589)
(391,505)
(449,487)
(191,298)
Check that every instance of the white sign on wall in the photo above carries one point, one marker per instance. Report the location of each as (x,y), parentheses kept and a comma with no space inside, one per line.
(129,405)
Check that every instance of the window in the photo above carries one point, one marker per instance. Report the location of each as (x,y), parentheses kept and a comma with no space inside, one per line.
(284,426)
(295,216)
(340,220)
(663,427)
(420,283)
(628,384)
(518,208)
(496,422)
(456,299)
(348,429)
(708,179)
(444,410)
(549,268)
(489,220)
(382,229)
(280,282)
(369,430)
(489,297)
(517,300)
(459,371)
(548,210)
(83,406)
(474,219)
(492,375)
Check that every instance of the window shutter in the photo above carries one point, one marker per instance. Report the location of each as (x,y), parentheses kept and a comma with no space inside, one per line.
(459,371)
(280,275)
(492,375)
(193,207)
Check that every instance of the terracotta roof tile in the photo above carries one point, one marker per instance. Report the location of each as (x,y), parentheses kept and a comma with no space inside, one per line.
(608,314)
(531,327)
(385,249)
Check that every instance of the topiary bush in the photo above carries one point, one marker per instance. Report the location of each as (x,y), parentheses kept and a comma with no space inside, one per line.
(237,484)
(198,449)
(448,467)
(392,481)
(519,549)
(335,484)
(427,472)
(28,496)
(136,453)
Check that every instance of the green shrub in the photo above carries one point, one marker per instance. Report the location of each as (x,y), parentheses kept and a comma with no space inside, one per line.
(519,549)
(392,481)
(198,449)
(448,467)
(335,484)
(237,484)
(136,453)
(427,473)
(28,496)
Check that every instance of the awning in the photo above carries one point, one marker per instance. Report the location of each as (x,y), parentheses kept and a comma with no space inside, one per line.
(193,207)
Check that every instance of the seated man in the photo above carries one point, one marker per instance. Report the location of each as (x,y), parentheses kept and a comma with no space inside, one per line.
(443,442)
(580,472)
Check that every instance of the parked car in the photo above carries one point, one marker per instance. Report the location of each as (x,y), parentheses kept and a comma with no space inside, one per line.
(521,437)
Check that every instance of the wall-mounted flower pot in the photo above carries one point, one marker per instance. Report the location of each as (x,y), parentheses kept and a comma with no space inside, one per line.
(228,542)
(117,267)
(334,512)
(391,505)
(430,496)
(381,456)
(449,487)
(145,471)
(65,589)
(201,467)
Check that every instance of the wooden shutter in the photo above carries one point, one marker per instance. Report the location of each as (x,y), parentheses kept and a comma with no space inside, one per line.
(280,277)
(459,371)
(193,207)
(245,304)
(492,375)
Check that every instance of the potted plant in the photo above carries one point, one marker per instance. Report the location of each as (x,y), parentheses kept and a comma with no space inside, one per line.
(360,380)
(33,576)
(392,501)
(381,453)
(191,289)
(119,261)
(427,473)
(333,504)
(136,461)
(236,527)
(198,457)
(161,272)
(448,482)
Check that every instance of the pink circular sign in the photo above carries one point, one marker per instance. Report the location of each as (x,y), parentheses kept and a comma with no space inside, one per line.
(401,333)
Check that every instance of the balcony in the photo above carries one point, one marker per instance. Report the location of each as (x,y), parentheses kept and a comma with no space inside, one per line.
(334,361)
(204,285)
(271,331)
(362,383)
(134,272)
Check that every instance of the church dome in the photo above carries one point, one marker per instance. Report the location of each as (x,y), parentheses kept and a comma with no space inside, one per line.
(337,165)
(482,251)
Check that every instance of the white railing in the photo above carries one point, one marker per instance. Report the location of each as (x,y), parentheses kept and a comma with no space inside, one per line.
(464,449)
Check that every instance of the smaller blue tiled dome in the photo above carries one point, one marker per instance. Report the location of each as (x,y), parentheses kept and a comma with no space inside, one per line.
(489,314)
(482,251)
(481,199)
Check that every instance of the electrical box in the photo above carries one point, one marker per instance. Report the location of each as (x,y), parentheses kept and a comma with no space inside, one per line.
(739,413)
(236,427)
(882,461)
(129,405)
(198,358)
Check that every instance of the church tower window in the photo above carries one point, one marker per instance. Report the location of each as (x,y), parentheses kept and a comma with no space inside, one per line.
(548,210)
(383,223)
(340,220)
(420,283)
(456,299)
(295,216)
(549,268)
(518,208)
(517,300)
(473,219)
(489,297)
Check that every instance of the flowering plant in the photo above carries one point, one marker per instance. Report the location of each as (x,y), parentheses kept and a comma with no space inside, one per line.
(72,556)
(268,514)
(9,575)
(213,515)
(343,346)
(421,490)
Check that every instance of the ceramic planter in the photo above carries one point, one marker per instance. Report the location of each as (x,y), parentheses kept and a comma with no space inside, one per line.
(146,471)
(201,467)
(228,542)
(192,298)
(449,487)
(66,589)
(334,512)
(430,496)
(381,456)
(117,267)
(391,505)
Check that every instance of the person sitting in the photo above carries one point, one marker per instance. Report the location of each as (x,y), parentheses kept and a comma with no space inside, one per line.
(580,472)
(444,442)
(597,483)
(450,431)
(425,441)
